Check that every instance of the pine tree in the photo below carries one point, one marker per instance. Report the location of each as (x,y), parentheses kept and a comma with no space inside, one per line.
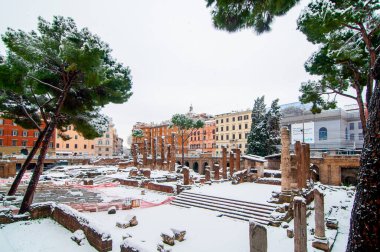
(67,75)
(273,119)
(258,136)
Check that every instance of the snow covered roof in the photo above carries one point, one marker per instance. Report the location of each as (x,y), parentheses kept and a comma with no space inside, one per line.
(254,158)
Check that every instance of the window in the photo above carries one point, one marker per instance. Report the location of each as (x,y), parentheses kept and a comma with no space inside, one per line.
(1,142)
(217,138)
(233,119)
(67,146)
(227,120)
(352,126)
(92,146)
(36,134)
(204,137)
(25,133)
(246,117)
(100,149)
(107,149)
(1,132)
(346,133)
(213,131)
(360,126)
(76,136)
(221,137)
(217,129)
(239,136)
(217,121)
(107,142)
(233,136)
(14,133)
(107,135)
(240,118)
(246,135)
(239,126)
(14,142)
(361,136)
(352,137)
(57,145)
(100,142)
(76,146)
(233,127)
(221,120)
(221,128)
(1,121)
(322,134)
(246,126)
(227,137)
(23,143)
(50,144)
(69,128)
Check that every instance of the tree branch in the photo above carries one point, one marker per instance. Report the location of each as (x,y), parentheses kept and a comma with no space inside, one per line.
(45,83)
(341,93)
(28,115)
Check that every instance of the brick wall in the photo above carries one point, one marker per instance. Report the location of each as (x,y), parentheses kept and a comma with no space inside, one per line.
(129,182)
(160,187)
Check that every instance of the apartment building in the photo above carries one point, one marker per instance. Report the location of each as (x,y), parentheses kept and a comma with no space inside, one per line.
(14,139)
(77,145)
(232,130)
(203,140)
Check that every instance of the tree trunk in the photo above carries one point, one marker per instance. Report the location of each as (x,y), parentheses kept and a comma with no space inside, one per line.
(25,165)
(365,217)
(29,194)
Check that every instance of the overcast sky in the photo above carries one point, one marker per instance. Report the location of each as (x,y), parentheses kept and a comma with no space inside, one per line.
(177,57)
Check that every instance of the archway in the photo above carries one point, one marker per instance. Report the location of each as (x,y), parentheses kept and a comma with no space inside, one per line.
(178,162)
(187,163)
(195,167)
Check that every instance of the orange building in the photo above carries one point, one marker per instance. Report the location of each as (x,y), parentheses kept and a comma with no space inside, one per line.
(203,140)
(76,145)
(14,139)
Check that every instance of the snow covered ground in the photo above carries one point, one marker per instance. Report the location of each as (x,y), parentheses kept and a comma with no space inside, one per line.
(39,236)
(252,192)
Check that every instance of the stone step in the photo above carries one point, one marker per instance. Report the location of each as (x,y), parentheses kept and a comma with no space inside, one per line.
(230,214)
(227,205)
(269,207)
(225,210)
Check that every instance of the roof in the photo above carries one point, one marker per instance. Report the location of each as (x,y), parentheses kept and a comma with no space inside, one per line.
(254,158)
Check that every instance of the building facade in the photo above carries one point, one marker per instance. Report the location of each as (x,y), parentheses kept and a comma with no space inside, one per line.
(14,139)
(77,145)
(332,130)
(232,130)
(106,145)
(203,140)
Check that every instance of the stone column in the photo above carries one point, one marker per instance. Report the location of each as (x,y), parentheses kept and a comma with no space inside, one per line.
(134,154)
(168,157)
(232,163)
(145,153)
(257,237)
(186,176)
(174,150)
(307,161)
(162,152)
(154,153)
(320,241)
(224,162)
(300,232)
(298,152)
(285,160)
(207,173)
(237,152)
(216,171)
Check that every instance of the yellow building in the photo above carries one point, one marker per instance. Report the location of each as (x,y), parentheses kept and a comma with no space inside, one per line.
(232,130)
(77,145)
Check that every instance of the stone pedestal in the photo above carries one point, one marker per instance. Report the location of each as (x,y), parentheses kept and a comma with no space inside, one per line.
(285,161)
(237,153)
(168,157)
(224,162)
(186,176)
(232,163)
(257,237)
(162,153)
(300,232)
(320,241)
(216,172)
(207,174)
(134,154)
(145,153)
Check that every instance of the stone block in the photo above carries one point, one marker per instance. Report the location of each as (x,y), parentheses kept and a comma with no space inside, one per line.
(257,237)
